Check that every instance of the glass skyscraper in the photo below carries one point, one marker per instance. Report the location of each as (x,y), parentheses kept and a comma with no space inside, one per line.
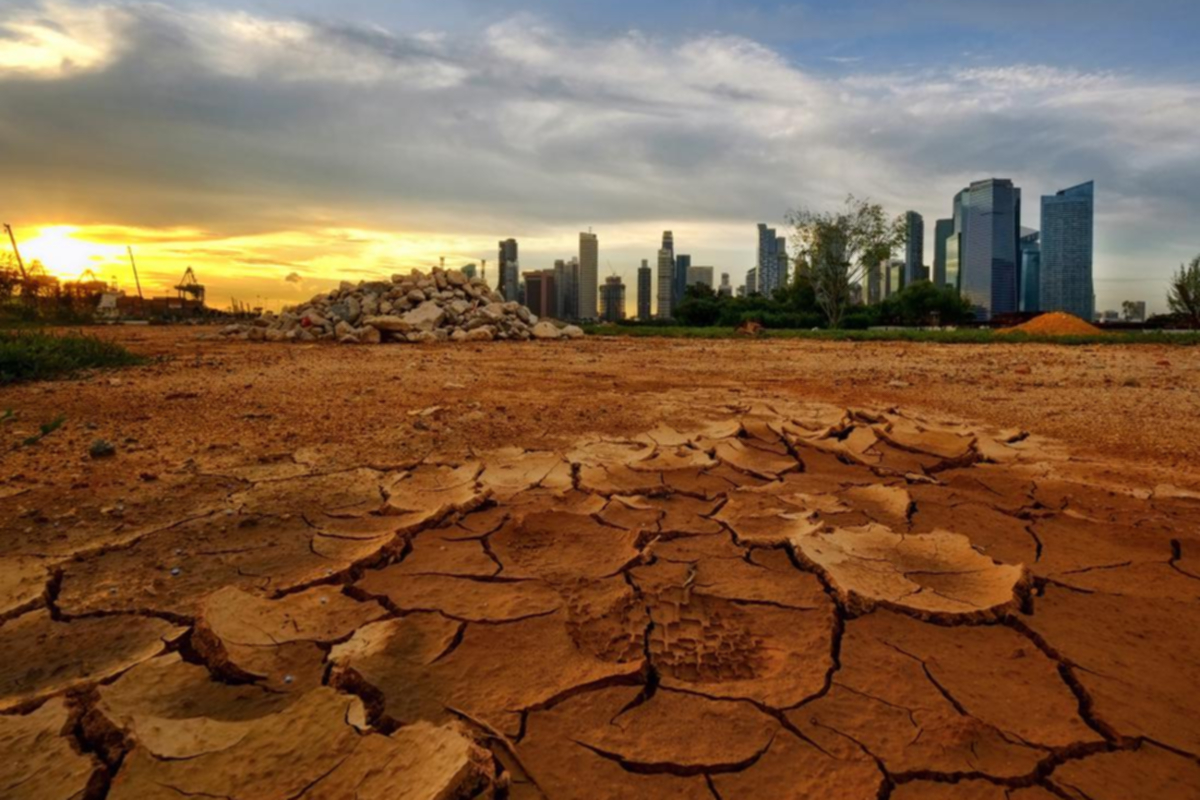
(1031,270)
(645,281)
(914,250)
(942,232)
(985,249)
(772,261)
(1067,283)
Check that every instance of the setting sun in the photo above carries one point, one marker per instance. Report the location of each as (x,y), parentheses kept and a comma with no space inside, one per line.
(65,256)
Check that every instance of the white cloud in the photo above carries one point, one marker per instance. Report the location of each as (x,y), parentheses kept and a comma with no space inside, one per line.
(59,40)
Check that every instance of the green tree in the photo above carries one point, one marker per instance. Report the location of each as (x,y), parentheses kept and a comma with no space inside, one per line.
(839,248)
(922,303)
(1184,294)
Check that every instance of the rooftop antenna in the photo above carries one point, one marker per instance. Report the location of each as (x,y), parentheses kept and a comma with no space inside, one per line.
(17,252)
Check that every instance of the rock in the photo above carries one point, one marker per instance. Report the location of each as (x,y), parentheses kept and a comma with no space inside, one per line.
(485,333)
(546,330)
(370,335)
(456,278)
(344,329)
(389,324)
(102,449)
(426,317)
(573,332)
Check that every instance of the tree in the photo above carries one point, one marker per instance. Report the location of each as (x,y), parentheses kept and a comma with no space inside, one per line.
(922,303)
(1184,295)
(840,248)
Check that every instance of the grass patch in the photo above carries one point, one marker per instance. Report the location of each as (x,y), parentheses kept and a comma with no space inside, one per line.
(34,355)
(964,336)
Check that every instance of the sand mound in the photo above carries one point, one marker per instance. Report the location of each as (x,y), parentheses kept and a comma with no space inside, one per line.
(1057,323)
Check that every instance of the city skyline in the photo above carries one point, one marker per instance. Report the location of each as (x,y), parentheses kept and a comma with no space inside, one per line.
(272,145)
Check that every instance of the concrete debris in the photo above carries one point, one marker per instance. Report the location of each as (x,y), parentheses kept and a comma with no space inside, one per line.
(418,308)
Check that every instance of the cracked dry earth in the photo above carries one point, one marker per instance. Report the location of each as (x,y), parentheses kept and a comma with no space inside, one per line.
(798,601)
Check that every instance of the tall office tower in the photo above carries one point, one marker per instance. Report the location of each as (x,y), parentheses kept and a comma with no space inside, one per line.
(644,290)
(942,231)
(566,275)
(987,218)
(894,274)
(666,283)
(683,265)
(541,292)
(612,299)
(726,288)
(668,242)
(511,280)
(589,275)
(914,248)
(752,281)
(782,262)
(1031,271)
(703,276)
(508,254)
(1067,248)
(875,283)
(769,277)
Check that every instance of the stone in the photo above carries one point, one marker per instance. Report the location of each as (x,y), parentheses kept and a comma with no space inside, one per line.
(546,330)
(426,317)
(573,332)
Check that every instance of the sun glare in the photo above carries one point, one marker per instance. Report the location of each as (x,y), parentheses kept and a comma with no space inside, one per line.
(65,256)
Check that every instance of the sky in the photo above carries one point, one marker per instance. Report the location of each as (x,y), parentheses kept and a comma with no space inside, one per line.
(281,147)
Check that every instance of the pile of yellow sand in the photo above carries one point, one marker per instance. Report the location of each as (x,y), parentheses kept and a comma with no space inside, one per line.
(1056,323)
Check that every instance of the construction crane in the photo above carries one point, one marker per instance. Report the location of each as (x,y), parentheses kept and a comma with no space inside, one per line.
(188,285)
(137,280)
(16,252)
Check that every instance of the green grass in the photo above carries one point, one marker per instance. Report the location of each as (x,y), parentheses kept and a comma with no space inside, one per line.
(964,336)
(33,355)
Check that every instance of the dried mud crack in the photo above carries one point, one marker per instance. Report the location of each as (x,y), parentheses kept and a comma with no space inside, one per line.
(791,601)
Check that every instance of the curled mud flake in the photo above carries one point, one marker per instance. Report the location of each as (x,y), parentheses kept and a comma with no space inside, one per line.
(421,668)
(753,460)
(276,756)
(435,554)
(22,584)
(666,436)
(618,479)
(762,519)
(890,504)
(1148,771)
(674,458)
(432,492)
(40,762)
(563,768)
(1002,537)
(728,628)
(44,657)
(560,547)
(938,575)
(512,470)
(631,513)
(793,769)
(417,762)
(461,598)
(945,444)
(1130,658)
(277,642)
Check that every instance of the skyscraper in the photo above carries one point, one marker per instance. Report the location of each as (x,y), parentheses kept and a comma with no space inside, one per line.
(683,265)
(612,299)
(702,276)
(875,283)
(752,281)
(541,292)
(771,273)
(894,274)
(1067,249)
(666,283)
(914,249)
(726,288)
(644,290)
(1031,270)
(589,275)
(508,255)
(987,253)
(942,231)
(511,278)
(566,274)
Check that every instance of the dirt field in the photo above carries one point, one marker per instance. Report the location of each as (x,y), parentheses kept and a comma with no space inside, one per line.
(605,569)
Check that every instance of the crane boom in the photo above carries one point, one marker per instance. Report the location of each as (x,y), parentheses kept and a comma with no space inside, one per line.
(16,251)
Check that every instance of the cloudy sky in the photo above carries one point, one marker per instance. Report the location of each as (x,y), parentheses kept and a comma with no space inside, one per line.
(279,146)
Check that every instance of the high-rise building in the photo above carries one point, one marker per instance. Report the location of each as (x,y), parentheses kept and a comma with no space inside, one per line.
(683,265)
(914,248)
(589,275)
(510,278)
(703,276)
(1067,249)
(772,261)
(566,275)
(508,255)
(752,281)
(541,292)
(668,242)
(894,274)
(666,283)
(942,231)
(987,252)
(644,290)
(1031,271)
(726,288)
(612,299)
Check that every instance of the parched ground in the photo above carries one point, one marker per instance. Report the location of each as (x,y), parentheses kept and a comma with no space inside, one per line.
(604,569)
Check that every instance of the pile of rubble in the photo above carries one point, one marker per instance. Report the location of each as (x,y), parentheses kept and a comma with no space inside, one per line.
(444,306)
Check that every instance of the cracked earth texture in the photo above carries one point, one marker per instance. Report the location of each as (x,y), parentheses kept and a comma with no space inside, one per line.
(785,599)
